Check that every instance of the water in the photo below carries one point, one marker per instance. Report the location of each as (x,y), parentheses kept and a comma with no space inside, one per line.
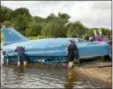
(42,76)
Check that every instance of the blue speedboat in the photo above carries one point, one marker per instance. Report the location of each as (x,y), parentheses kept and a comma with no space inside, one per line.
(49,50)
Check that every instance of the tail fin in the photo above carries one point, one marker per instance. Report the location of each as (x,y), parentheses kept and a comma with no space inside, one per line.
(11,35)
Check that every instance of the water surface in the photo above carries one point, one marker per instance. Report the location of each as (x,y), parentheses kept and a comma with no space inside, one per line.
(42,76)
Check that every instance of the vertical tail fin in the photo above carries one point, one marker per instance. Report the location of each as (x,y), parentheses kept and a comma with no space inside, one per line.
(11,35)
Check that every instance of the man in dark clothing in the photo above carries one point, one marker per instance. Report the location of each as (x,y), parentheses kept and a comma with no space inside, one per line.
(72,52)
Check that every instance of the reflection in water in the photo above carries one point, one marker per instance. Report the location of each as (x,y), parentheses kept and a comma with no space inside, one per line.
(21,68)
(41,76)
(33,76)
(71,78)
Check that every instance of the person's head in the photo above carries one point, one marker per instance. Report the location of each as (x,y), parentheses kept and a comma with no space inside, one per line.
(71,41)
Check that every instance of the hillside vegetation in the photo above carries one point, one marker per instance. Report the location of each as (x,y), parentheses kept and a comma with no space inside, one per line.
(52,26)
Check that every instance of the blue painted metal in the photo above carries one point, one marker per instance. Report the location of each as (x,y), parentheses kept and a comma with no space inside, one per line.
(52,47)
(11,35)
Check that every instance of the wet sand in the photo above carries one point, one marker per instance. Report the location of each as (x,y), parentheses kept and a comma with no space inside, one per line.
(98,71)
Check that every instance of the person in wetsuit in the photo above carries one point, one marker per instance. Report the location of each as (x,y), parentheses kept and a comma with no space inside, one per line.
(72,52)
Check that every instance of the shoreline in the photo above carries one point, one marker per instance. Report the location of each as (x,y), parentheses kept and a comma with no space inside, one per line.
(97,71)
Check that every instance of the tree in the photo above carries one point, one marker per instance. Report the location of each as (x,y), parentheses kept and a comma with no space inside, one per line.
(21,11)
(51,16)
(7,24)
(106,31)
(6,14)
(21,19)
(54,28)
(38,19)
(76,29)
(33,29)
(64,16)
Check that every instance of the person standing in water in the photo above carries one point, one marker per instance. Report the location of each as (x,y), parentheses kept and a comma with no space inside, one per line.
(72,51)
(22,57)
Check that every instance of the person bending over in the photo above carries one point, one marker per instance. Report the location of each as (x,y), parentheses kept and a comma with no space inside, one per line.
(72,53)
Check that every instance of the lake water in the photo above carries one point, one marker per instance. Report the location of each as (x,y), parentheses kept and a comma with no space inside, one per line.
(42,76)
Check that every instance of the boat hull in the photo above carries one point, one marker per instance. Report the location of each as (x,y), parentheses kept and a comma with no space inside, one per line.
(55,49)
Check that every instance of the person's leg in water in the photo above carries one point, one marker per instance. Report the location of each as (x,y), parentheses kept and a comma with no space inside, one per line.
(26,58)
(71,61)
(76,58)
(19,59)
(22,58)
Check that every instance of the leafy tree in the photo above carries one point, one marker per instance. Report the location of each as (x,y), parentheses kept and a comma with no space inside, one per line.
(33,29)
(21,11)
(51,17)
(38,19)
(90,32)
(21,19)
(6,14)
(76,29)
(64,16)
(7,24)
(106,31)
(54,28)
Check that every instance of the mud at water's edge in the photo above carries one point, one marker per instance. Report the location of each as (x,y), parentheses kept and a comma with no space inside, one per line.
(99,75)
